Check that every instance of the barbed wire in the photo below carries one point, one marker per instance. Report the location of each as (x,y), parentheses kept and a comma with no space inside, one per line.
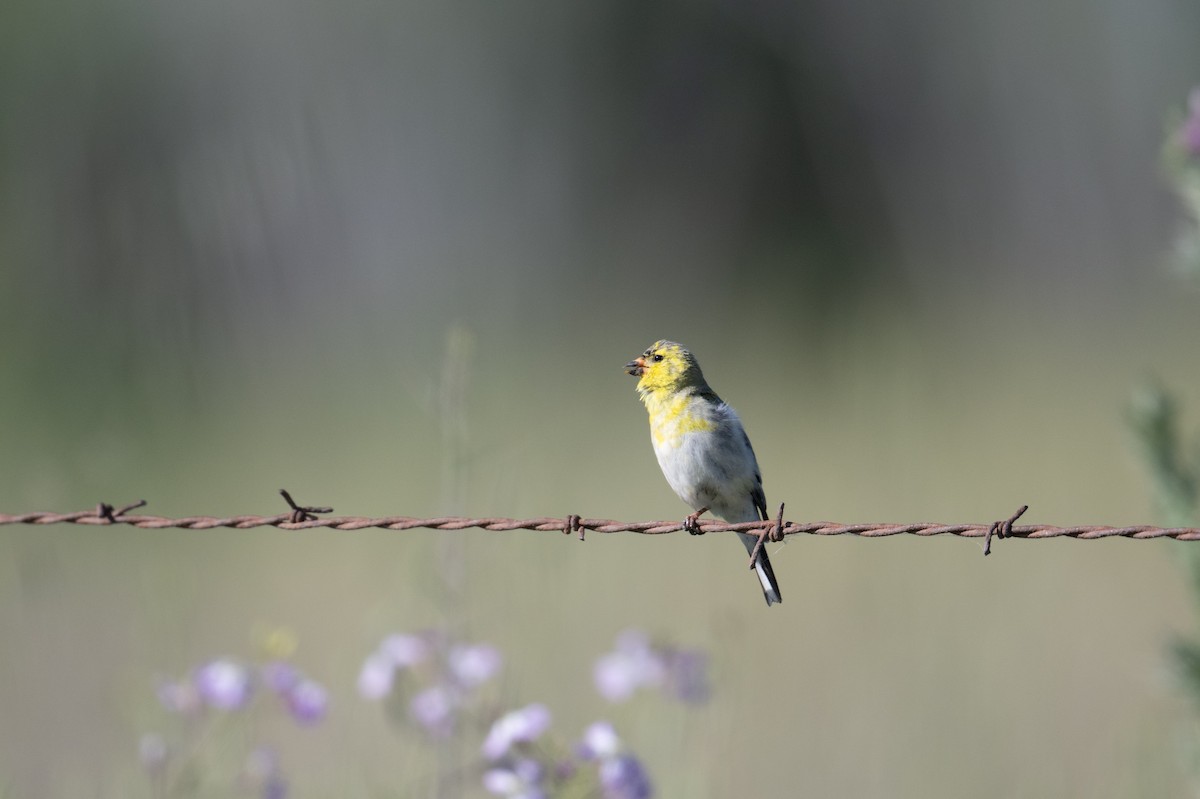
(305,518)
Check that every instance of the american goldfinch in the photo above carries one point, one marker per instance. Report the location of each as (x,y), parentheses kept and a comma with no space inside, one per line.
(701,446)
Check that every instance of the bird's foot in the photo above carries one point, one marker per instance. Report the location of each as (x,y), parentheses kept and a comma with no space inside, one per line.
(691,522)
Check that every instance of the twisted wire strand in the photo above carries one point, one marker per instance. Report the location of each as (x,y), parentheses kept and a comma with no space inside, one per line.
(303,519)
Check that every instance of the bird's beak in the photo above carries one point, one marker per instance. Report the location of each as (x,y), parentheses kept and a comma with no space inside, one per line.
(636,367)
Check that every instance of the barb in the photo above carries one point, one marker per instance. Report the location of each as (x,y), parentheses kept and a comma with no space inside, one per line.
(572,524)
(580,525)
(774,532)
(105,511)
(300,513)
(1001,529)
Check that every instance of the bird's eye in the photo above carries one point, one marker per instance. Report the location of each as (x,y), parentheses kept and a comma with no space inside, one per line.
(657,357)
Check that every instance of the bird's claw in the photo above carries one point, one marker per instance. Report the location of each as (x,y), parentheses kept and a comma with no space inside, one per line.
(691,522)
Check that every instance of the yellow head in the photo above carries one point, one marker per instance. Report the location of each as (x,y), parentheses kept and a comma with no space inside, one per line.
(665,367)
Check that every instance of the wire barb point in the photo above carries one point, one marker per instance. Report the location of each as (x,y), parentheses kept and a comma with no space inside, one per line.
(106,511)
(773,532)
(574,523)
(302,513)
(1001,529)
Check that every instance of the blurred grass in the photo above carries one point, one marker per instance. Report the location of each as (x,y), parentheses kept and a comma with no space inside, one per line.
(895,668)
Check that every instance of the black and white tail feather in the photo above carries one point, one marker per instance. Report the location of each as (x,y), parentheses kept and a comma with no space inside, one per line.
(762,566)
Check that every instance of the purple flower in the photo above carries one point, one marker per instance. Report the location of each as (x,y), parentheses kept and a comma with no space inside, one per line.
(275,787)
(280,676)
(636,663)
(397,651)
(529,770)
(632,665)
(599,742)
(434,709)
(375,679)
(616,677)
(687,676)
(262,774)
(520,781)
(472,666)
(404,650)
(623,777)
(565,769)
(223,684)
(1190,132)
(501,781)
(518,726)
(307,701)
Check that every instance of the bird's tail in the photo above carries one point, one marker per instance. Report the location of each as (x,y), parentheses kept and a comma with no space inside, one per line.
(762,567)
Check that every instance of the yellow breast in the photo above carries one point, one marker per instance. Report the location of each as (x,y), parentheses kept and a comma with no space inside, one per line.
(673,415)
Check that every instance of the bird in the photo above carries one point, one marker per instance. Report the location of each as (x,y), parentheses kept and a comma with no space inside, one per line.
(702,448)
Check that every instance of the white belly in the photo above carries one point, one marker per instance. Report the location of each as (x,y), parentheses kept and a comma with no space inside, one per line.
(706,472)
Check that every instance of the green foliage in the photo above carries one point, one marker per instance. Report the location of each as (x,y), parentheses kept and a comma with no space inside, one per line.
(1154,417)
(1187,660)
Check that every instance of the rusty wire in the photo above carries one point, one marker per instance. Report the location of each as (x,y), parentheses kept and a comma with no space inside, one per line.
(305,518)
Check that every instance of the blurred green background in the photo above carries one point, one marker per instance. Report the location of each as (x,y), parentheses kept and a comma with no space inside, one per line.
(392,256)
